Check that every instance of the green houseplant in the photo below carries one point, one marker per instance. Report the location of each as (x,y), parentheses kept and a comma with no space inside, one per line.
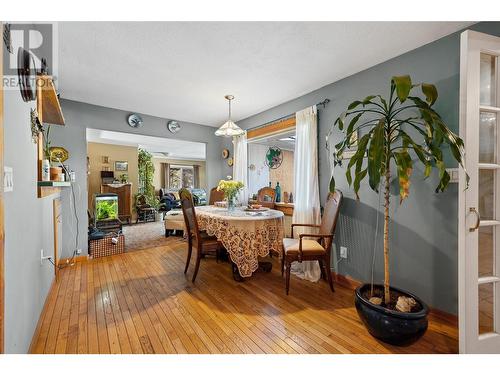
(146,175)
(394,133)
(46,154)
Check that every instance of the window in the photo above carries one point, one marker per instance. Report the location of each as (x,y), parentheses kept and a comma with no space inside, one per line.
(181,176)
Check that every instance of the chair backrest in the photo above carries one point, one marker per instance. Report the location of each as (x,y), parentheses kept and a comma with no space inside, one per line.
(189,213)
(141,200)
(266,196)
(330,215)
(215,196)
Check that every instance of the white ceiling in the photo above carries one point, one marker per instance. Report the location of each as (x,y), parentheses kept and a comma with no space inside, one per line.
(182,70)
(160,147)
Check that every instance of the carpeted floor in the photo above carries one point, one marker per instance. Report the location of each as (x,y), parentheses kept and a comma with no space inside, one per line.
(144,236)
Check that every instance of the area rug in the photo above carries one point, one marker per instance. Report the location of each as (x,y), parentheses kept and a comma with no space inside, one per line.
(144,235)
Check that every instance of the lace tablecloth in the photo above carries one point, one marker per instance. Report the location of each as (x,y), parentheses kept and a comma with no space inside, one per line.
(245,235)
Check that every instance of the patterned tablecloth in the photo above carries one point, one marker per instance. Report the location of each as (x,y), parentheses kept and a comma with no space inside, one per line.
(245,235)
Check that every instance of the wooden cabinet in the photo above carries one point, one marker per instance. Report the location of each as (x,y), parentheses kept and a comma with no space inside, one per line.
(124,198)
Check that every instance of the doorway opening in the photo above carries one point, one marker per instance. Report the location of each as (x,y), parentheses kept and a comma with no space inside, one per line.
(141,176)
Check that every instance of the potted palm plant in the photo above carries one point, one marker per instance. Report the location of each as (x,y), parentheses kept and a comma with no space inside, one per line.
(393,133)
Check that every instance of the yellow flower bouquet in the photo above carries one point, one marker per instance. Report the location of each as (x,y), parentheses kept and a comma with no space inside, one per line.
(230,189)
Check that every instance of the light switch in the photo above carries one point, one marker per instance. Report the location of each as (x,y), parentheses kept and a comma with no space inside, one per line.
(453,172)
(8,179)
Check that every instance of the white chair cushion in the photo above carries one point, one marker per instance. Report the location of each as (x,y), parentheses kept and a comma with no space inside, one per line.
(174,220)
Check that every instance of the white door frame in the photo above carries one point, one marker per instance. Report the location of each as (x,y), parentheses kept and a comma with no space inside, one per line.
(471,45)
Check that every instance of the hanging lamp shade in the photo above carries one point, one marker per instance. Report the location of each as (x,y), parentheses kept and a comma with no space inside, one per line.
(229,128)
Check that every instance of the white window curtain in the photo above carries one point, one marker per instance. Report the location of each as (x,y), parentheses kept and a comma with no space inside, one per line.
(306,207)
(240,168)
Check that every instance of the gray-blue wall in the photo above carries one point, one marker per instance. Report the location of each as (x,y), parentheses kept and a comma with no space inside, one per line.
(425,228)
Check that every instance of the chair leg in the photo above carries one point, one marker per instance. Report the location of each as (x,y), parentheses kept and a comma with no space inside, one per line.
(323,269)
(287,283)
(328,274)
(197,266)
(190,250)
(282,264)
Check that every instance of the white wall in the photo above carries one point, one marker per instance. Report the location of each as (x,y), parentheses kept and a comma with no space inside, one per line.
(28,229)
(259,177)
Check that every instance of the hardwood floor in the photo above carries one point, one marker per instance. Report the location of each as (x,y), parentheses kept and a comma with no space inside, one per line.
(141,302)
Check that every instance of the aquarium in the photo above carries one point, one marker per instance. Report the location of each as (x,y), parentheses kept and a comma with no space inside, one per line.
(106,207)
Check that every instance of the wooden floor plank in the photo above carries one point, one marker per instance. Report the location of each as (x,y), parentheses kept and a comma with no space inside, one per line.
(141,302)
(168,314)
(155,336)
(62,331)
(102,331)
(123,335)
(39,346)
(82,343)
(109,318)
(73,327)
(180,295)
(131,332)
(92,332)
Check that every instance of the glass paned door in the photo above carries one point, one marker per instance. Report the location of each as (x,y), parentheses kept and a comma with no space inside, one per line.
(479,219)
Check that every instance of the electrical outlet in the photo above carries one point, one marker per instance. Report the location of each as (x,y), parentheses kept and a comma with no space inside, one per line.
(343,252)
(43,257)
(453,172)
(78,251)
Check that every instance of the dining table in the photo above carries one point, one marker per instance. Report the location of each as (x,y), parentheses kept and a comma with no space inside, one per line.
(246,234)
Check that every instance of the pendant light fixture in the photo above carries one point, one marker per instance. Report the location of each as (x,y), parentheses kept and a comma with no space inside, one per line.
(229,128)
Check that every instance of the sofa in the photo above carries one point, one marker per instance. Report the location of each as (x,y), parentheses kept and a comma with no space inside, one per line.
(169,198)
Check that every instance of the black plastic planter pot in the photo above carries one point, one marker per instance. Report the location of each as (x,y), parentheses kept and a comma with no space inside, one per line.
(392,327)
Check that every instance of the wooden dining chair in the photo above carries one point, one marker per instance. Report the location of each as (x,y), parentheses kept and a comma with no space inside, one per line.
(203,243)
(215,196)
(318,246)
(266,197)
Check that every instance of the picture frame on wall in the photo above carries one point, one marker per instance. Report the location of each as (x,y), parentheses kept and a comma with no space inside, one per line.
(121,166)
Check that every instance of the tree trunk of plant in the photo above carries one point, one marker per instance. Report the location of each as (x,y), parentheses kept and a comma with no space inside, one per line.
(387,297)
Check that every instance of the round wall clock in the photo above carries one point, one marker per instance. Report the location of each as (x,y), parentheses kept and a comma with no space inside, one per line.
(225,153)
(230,162)
(134,120)
(26,72)
(173,126)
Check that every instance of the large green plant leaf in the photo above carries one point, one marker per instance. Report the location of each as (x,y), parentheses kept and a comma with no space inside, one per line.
(376,152)
(357,158)
(430,93)
(389,139)
(403,87)
(405,168)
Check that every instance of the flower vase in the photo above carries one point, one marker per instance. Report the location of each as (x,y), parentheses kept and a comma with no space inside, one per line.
(231,203)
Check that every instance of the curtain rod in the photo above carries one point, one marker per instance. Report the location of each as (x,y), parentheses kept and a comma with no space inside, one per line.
(323,103)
